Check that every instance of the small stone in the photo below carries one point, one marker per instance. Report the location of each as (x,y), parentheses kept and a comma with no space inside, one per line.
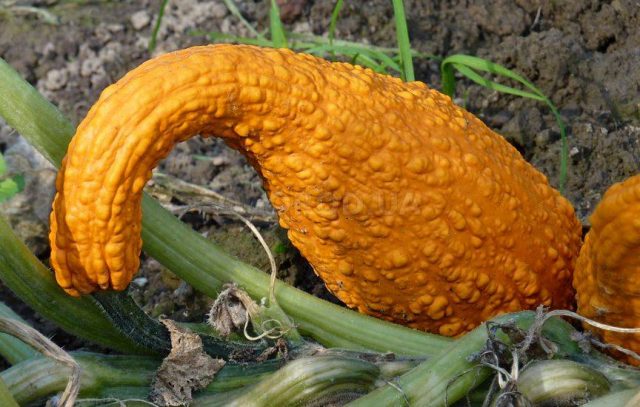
(102,34)
(543,138)
(219,160)
(141,281)
(115,28)
(302,27)
(225,26)
(219,10)
(49,50)
(99,80)
(290,10)
(140,19)
(89,66)
(73,67)
(110,52)
(56,79)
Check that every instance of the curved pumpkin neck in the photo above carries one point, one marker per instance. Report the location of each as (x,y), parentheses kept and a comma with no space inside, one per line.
(242,94)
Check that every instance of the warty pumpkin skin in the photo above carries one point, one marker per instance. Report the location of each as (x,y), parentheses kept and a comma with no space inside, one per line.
(407,206)
(607,276)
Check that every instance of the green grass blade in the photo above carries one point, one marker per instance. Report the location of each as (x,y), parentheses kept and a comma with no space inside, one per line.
(386,60)
(484,65)
(334,20)
(381,59)
(366,61)
(233,9)
(404,45)
(468,65)
(3,165)
(357,57)
(489,84)
(9,8)
(305,42)
(277,29)
(156,26)
(220,37)
(448,80)
(378,61)
(317,39)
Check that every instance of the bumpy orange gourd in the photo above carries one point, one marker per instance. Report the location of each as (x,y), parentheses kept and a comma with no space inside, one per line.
(407,206)
(607,277)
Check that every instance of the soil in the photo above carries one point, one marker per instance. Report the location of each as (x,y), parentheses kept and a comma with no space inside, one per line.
(584,55)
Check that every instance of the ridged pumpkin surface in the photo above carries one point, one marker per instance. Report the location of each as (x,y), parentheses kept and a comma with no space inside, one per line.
(607,277)
(407,206)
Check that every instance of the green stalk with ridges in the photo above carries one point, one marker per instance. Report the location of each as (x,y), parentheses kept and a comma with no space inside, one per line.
(624,398)
(451,375)
(301,382)
(557,382)
(111,375)
(6,399)
(446,377)
(151,334)
(12,349)
(41,377)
